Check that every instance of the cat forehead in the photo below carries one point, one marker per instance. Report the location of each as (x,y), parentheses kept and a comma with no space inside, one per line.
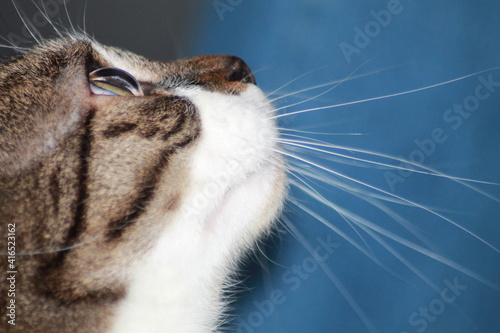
(140,67)
(82,48)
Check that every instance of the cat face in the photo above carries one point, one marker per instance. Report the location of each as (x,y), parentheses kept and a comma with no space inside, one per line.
(113,190)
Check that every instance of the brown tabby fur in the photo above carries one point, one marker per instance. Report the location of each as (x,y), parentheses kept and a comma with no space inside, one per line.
(81,176)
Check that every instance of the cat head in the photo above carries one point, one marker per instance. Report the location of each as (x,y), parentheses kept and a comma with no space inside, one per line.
(104,153)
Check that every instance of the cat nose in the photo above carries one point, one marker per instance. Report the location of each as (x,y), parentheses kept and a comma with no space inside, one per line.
(226,74)
(238,71)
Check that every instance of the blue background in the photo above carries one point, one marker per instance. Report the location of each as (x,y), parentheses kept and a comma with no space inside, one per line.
(425,43)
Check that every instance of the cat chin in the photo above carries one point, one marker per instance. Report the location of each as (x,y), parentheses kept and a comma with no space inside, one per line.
(237,133)
(236,154)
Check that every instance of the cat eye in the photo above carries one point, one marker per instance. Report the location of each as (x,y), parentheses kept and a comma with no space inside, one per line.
(114,82)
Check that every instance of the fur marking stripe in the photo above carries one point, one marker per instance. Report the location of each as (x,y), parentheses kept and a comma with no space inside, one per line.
(78,225)
(118,129)
(177,128)
(81,209)
(55,190)
(140,204)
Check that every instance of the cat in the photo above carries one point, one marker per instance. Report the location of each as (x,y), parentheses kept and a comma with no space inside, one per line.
(133,187)
(303,173)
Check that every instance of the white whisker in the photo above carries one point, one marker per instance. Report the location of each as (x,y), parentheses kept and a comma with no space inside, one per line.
(315,195)
(364,224)
(384,96)
(335,280)
(290,82)
(329,225)
(282,129)
(14,47)
(342,185)
(46,17)
(371,255)
(27,23)
(413,203)
(73,30)
(62,249)
(385,245)
(430,171)
(85,17)
(338,83)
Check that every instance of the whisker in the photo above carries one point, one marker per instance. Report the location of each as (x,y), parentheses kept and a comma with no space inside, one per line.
(401,258)
(25,22)
(65,248)
(349,239)
(335,280)
(384,96)
(45,15)
(372,255)
(375,200)
(430,254)
(85,17)
(14,47)
(344,186)
(292,81)
(363,223)
(430,171)
(283,129)
(401,221)
(69,18)
(353,77)
(413,203)
(335,85)
(263,263)
(315,195)
(395,254)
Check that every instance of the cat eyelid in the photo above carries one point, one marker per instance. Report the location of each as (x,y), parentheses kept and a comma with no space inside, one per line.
(110,81)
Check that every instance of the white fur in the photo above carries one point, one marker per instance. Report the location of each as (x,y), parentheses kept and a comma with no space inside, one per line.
(236,185)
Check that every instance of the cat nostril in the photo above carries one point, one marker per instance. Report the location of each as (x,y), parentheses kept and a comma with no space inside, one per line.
(238,71)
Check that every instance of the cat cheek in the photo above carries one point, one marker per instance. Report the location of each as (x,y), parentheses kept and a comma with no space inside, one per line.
(99,102)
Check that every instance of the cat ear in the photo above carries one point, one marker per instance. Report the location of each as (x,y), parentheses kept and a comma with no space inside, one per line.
(41,103)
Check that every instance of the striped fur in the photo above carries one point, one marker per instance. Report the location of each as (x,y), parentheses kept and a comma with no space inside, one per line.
(99,188)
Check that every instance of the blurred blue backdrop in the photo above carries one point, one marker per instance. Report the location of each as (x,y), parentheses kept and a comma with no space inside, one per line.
(395,46)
